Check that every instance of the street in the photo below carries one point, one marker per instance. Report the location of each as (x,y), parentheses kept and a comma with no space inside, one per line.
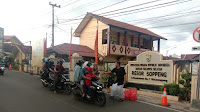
(21,92)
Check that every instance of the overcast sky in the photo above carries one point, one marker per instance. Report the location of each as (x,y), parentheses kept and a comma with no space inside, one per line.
(31,19)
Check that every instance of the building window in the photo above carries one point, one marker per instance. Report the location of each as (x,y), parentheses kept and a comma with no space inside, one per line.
(113,40)
(104,36)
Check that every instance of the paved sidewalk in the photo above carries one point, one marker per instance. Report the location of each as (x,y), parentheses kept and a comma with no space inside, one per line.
(182,105)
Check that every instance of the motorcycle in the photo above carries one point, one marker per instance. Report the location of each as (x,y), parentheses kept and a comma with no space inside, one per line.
(97,95)
(2,68)
(64,84)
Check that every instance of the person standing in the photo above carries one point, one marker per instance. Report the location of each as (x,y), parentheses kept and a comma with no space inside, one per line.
(117,87)
(58,73)
(94,67)
(110,82)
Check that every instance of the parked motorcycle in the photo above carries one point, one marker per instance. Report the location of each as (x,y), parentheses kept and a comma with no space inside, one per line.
(65,83)
(2,69)
(97,95)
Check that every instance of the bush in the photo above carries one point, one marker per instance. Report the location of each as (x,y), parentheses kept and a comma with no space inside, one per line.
(172,89)
(182,92)
(185,91)
(181,82)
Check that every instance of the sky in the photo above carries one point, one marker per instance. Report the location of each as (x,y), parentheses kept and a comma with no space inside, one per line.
(175,20)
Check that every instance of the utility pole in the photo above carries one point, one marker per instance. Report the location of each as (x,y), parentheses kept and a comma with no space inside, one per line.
(53,5)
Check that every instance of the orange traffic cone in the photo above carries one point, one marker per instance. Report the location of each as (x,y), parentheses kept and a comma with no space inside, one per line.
(164,98)
(10,68)
(20,69)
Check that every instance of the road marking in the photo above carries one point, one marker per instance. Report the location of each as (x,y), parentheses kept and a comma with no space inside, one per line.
(159,106)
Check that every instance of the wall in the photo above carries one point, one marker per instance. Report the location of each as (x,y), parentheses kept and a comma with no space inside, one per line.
(88,35)
(194,87)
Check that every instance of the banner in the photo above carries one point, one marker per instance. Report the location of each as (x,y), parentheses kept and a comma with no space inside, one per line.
(37,52)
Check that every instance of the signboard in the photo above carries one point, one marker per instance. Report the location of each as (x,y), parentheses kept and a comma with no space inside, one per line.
(37,52)
(196,35)
(150,68)
(196,48)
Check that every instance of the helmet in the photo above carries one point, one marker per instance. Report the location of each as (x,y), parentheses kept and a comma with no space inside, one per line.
(89,64)
(80,62)
(60,61)
(46,60)
(43,59)
(51,61)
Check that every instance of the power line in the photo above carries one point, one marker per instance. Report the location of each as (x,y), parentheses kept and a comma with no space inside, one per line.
(105,7)
(175,25)
(118,9)
(147,8)
(80,7)
(70,3)
(130,7)
(171,14)
(176,16)
(69,20)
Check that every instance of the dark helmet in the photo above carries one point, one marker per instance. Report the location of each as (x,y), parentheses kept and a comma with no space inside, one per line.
(60,61)
(89,64)
(51,61)
(80,62)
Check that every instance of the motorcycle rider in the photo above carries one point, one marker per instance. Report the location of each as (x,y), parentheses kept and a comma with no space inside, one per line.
(83,77)
(51,65)
(45,68)
(77,70)
(89,82)
(58,69)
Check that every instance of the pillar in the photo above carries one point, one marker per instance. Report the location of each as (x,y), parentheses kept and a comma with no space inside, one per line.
(151,43)
(139,41)
(125,40)
(158,45)
(132,38)
(118,38)
(108,41)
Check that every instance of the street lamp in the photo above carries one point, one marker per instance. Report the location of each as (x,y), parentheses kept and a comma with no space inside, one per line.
(169,50)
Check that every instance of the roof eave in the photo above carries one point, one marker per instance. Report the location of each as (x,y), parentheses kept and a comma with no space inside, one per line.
(137,31)
(81,26)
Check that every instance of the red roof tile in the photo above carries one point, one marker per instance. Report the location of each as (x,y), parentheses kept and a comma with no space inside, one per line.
(170,58)
(189,56)
(80,49)
(7,37)
(121,25)
(125,25)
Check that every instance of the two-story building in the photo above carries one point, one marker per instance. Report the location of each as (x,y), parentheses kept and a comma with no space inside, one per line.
(117,41)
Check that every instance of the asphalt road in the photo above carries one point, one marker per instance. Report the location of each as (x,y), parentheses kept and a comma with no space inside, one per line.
(21,92)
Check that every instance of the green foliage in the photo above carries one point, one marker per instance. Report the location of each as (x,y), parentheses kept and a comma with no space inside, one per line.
(172,89)
(182,92)
(181,82)
(186,77)
(186,82)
